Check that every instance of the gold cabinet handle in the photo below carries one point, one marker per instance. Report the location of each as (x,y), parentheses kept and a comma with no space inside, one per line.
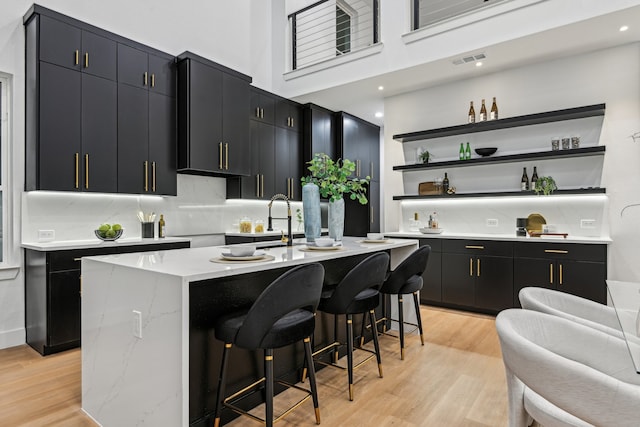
(371,170)
(292,125)
(220,157)
(262,185)
(146,175)
(77,57)
(470,266)
(86,171)
(257,185)
(372,215)
(478,268)
(226,156)
(560,282)
(551,274)
(555,251)
(86,60)
(153,80)
(153,176)
(77,162)
(146,75)
(262,113)
(358,167)
(258,112)
(474,247)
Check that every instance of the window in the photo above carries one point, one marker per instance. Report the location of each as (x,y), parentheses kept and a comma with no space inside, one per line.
(343,31)
(428,12)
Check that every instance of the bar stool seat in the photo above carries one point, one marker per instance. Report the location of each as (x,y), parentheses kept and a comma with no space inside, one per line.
(283,314)
(357,293)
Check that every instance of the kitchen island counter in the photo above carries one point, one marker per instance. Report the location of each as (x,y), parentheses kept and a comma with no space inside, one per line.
(148,356)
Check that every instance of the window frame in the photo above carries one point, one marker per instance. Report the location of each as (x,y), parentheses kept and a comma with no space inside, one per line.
(8,264)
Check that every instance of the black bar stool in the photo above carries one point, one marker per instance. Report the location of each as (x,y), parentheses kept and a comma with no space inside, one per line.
(357,293)
(406,279)
(283,314)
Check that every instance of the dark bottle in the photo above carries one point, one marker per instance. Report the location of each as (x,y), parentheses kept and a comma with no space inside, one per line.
(472,113)
(445,183)
(161,227)
(467,152)
(534,178)
(494,110)
(524,182)
(461,153)
(483,112)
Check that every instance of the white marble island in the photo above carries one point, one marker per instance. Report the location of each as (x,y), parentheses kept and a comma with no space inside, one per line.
(151,373)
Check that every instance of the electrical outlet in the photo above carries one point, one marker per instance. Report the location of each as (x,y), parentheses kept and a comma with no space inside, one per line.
(46,235)
(137,324)
(587,223)
(491,222)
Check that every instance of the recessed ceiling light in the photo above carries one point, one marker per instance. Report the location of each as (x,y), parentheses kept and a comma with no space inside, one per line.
(380,87)
(379,114)
(479,64)
(624,28)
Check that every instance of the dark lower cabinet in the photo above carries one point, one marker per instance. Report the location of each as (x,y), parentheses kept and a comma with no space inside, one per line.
(432,277)
(53,294)
(494,283)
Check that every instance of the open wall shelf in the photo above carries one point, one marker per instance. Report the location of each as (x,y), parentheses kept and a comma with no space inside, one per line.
(560,154)
(510,122)
(594,190)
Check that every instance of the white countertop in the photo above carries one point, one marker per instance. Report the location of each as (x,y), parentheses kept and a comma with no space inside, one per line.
(97,243)
(501,237)
(195,264)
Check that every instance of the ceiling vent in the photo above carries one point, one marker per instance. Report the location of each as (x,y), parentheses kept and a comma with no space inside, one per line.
(469,58)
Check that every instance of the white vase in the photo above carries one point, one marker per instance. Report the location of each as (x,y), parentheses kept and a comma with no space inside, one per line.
(336,219)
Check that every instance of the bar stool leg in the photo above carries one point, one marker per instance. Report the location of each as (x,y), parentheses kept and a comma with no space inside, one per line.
(268,374)
(222,381)
(350,353)
(335,338)
(376,345)
(312,377)
(416,302)
(401,325)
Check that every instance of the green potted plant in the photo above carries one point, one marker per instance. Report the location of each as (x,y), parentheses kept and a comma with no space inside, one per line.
(334,181)
(425,156)
(545,185)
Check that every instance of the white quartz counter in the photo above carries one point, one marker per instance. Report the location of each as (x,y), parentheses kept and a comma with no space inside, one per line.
(97,243)
(501,237)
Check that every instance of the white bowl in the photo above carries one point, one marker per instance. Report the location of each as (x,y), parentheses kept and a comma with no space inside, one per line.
(324,241)
(375,236)
(244,250)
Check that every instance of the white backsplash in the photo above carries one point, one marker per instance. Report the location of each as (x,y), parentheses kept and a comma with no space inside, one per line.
(470,215)
(200,209)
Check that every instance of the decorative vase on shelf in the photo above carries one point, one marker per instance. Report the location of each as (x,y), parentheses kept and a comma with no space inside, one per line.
(336,219)
(311,211)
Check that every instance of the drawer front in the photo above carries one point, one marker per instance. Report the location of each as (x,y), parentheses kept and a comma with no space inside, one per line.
(436,244)
(478,247)
(577,251)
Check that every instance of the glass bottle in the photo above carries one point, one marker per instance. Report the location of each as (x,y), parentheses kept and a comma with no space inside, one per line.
(467,152)
(445,183)
(472,113)
(534,177)
(524,182)
(494,110)
(161,227)
(461,154)
(483,112)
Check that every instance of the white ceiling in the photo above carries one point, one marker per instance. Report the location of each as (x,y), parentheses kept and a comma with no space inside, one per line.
(363,99)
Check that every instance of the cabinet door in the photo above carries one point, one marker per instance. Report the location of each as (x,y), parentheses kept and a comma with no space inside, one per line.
(494,282)
(287,163)
(319,133)
(584,279)
(262,106)
(133,137)
(532,272)
(458,279)
(374,206)
(352,145)
(162,144)
(371,168)
(64,307)
(60,43)
(204,124)
(98,56)
(99,163)
(260,184)
(133,67)
(162,75)
(60,133)
(432,279)
(288,115)
(235,124)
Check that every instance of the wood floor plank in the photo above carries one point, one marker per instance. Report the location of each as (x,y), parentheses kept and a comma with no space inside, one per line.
(455,379)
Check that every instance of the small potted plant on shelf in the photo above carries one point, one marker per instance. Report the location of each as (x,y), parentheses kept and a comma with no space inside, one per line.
(425,156)
(545,185)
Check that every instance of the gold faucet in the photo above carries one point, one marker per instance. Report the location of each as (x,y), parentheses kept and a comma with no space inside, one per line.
(288,240)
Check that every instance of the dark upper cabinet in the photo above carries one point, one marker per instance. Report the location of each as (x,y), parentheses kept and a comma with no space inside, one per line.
(213,127)
(81,122)
(261,183)
(288,163)
(263,106)
(288,114)
(318,133)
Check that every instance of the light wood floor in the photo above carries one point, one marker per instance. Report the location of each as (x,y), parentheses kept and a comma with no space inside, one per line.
(456,379)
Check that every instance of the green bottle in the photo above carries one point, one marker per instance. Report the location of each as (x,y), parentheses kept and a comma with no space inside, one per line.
(467,152)
(461,151)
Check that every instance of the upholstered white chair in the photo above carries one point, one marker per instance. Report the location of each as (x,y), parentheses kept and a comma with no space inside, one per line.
(577,309)
(562,373)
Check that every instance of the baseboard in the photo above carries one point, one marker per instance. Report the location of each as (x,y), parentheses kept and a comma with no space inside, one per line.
(12,338)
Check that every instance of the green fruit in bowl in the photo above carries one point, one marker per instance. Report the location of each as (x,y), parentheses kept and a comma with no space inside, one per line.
(110,233)
(116,227)
(104,228)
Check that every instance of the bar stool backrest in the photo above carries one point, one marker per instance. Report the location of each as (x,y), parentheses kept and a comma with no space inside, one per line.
(297,289)
(369,273)
(414,265)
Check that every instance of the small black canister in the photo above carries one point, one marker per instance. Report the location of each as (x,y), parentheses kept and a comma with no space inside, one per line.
(521,226)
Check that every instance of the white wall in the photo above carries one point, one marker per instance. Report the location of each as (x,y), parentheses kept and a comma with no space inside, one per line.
(609,76)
